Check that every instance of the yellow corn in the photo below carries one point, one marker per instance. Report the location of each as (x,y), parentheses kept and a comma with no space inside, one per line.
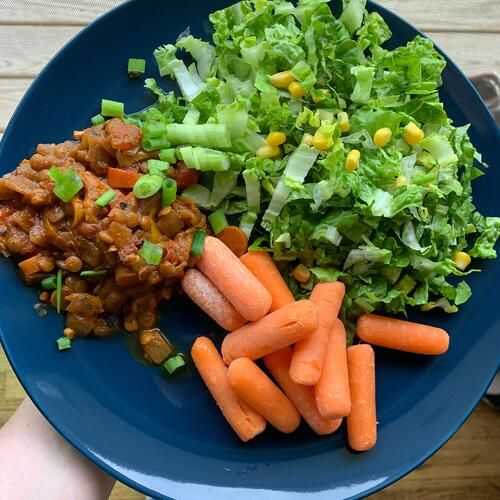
(382,137)
(321,142)
(268,151)
(462,260)
(401,181)
(344,123)
(308,139)
(301,273)
(276,138)
(282,80)
(413,134)
(296,89)
(352,160)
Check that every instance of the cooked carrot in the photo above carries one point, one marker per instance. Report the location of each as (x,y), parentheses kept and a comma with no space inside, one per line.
(362,421)
(30,266)
(402,335)
(275,331)
(206,296)
(333,397)
(245,421)
(235,239)
(309,354)
(263,267)
(301,396)
(122,179)
(254,387)
(234,280)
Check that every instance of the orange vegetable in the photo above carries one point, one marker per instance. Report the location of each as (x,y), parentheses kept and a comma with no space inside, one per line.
(244,420)
(402,335)
(362,421)
(301,396)
(309,354)
(30,266)
(272,333)
(119,178)
(204,294)
(235,239)
(254,387)
(333,396)
(263,267)
(240,287)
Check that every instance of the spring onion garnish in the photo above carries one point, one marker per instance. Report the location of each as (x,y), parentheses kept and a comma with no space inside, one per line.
(93,274)
(136,67)
(157,167)
(63,343)
(168,155)
(59,285)
(147,186)
(169,193)
(49,283)
(198,243)
(155,143)
(218,221)
(174,363)
(67,183)
(97,119)
(106,198)
(151,253)
(113,109)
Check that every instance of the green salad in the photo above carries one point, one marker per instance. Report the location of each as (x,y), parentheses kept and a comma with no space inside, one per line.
(327,149)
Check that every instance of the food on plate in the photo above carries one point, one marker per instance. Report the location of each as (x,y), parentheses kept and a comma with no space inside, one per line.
(208,298)
(302,396)
(240,287)
(246,422)
(332,390)
(362,420)
(402,335)
(262,266)
(309,353)
(273,332)
(254,387)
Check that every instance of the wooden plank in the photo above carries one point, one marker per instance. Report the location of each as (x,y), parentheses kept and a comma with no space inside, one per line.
(24,50)
(11,92)
(429,15)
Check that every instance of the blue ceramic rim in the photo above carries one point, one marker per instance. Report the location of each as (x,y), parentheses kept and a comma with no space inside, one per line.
(76,442)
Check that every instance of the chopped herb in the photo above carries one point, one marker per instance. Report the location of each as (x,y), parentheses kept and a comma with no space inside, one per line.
(151,253)
(67,183)
(198,243)
(136,67)
(93,274)
(174,363)
(112,109)
(106,198)
(49,283)
(63,343)
(97,120)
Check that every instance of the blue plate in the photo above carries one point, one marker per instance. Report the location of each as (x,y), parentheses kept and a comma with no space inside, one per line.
(166,437)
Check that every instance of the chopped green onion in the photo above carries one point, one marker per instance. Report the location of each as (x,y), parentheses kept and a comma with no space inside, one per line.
(155,143)
(192,117)
(106,198)
(210,135)
(218,221)
(151,253)
(97,119)
(168,155)
(64,343)
(113,109)
(154,129)
(49,283)
(67,183)
(147,186)
(157,167)
(205,159)
(93,274)
(169,193)
(198,243)
(59,285)
(174,363)
(136,67)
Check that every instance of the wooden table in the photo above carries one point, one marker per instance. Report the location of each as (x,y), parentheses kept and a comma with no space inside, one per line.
(31,31)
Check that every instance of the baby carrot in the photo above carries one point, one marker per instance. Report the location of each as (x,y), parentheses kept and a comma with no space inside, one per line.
(204,294)
(263,267)
(240,287)
(273,332)
(244,420)
(332,391)
(235,239)
(301,396)
(308,355)
(362,421)
(402,335)
(254,387)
